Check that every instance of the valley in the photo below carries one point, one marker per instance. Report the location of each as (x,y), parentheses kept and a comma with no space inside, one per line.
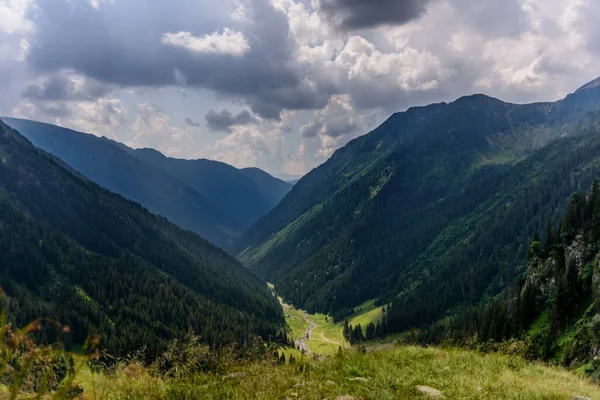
(318,334)
(299,200)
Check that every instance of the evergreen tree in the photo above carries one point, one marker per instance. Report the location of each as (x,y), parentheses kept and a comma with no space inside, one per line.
(535,246)
(346,331)
(357,335)
(549,244)
(594,211)
(370,333)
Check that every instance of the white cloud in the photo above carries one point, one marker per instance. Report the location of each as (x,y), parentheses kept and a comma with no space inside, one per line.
(152,128)
(100,117)
(228,42)
(326,85)
(12,17)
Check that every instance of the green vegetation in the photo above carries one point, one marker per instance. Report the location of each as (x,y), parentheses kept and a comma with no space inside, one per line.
(188,369)
(327,335)
(391,374)
(199,195)
(554,307)
(75,253)
(430,212)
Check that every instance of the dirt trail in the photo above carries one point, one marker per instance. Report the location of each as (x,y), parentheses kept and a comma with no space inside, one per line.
(327,340)
(302,342)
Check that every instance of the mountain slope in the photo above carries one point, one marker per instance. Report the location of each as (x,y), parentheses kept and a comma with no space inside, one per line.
(76,253)
(202,196)
(554,306)
(244,195)
(406,211)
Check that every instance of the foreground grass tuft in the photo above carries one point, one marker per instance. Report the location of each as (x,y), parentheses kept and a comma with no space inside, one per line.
(385,374)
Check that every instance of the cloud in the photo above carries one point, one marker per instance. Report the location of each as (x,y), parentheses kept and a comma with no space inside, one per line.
(335,120)
(99,117)
(152,128)
(117,44)
(12,17)
(65,85)
(358,14)
(191,123)
(224,120)
(311,75)
(228,42)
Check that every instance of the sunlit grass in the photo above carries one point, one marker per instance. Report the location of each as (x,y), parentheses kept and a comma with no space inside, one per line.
(328,336)
(385,374)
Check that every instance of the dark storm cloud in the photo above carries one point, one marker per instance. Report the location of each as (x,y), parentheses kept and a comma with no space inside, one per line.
(60,86)
(224,120)
(192,123)
(120,43)
(357,14)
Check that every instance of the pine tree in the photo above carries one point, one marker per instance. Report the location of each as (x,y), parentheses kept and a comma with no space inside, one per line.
(282,359)
(535,246)
(378,329)
(549,238)
(594,211)
(370,333)
(357,335)
(346,331)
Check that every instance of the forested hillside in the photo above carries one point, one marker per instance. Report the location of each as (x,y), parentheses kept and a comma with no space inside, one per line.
(553,307)
(213,199)
(431,210)
(75,253)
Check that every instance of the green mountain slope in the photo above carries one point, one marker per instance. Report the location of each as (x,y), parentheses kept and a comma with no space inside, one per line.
(78,254)
(215,200)
(553,308)
(428,210)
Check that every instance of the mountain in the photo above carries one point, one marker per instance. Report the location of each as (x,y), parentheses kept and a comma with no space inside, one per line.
(75,253)
(244,195)
(287,177)
(428,212)
(215,200)
(553,308)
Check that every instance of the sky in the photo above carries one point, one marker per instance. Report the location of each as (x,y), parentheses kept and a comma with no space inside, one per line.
(279,84)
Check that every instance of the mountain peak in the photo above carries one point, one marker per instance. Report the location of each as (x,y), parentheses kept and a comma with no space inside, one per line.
(477,98)
(590,85)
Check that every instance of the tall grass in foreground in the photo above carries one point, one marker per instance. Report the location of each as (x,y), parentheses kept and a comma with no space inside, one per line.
(190,370)
(387,374)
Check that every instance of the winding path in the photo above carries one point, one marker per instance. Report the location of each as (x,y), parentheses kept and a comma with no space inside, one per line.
(302,342)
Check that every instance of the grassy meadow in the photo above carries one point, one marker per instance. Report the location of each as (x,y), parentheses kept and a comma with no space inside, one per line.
(384,374)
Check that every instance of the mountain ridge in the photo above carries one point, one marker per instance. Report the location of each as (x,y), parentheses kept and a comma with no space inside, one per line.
(205,204)
(353,227)
(73,252)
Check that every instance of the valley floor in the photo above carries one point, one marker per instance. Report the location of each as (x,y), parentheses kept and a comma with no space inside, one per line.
(324,336)
(398,373)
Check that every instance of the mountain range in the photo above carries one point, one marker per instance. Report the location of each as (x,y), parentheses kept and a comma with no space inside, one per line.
(430,211)
(74,253)
(202,196)
(429,214)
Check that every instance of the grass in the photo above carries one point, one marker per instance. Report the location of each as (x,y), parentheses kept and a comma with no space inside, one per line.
(328,336)
(385,374)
